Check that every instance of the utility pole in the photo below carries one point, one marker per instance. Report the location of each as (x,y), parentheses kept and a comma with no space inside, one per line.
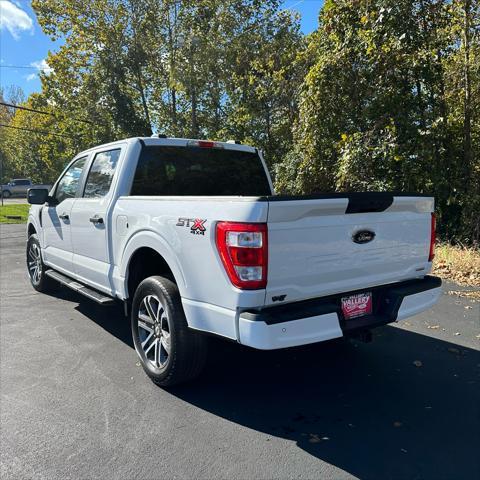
(1,176)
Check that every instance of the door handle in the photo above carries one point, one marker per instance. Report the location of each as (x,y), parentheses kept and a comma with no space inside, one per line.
(96,220)
(64,216)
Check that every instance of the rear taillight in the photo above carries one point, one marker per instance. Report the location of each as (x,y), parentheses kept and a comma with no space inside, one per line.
(243,249)
(432,238)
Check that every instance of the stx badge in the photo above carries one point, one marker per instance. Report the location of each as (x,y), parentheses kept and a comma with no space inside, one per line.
(196,225)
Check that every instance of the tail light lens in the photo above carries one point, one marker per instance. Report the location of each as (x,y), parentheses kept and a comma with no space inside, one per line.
(431,254)
(243,249)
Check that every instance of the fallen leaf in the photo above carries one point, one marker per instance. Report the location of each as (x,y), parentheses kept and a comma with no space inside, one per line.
(457,333)
(403,450)
(418,363)
(472,294)
(397,424)
(314,438)
(468,307)
(433,327)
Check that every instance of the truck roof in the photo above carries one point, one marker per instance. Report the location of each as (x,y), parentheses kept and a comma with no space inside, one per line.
(171,141)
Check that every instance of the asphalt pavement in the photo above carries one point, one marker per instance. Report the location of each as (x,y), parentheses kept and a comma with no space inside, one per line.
(76,404)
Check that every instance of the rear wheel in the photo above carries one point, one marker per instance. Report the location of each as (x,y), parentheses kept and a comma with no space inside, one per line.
(36,268)
(169,351)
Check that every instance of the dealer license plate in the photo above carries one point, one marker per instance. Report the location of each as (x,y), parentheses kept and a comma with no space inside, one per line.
(357,305)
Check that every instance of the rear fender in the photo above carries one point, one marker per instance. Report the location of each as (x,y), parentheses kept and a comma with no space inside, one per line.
(150,239)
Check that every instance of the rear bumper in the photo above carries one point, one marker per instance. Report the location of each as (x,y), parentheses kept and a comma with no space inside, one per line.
(321,319)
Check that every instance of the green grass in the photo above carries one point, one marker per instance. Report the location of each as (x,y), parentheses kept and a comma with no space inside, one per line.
(14,210)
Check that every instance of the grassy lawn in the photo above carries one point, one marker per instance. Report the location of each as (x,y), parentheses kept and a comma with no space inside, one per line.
(14,210)
(459,264)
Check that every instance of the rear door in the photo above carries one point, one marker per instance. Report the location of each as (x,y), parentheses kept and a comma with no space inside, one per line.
(91,222)
(322,246)
(56,221)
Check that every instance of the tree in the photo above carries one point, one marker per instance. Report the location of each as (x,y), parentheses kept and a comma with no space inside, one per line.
(377,110)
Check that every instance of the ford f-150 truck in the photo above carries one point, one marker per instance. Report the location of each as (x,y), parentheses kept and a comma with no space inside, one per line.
(191,237)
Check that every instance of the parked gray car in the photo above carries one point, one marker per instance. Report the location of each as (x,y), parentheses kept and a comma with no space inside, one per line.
(19,187)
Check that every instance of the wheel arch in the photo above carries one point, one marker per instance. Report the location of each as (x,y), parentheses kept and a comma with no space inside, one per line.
(33,227)
(146,254)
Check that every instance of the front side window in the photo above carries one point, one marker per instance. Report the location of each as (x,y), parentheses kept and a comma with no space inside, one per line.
(101,174)
(68,185)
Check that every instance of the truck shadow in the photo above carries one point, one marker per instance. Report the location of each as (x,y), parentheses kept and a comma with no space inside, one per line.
(366,409)
(405,406)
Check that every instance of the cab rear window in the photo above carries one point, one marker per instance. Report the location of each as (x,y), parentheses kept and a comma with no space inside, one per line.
(164,170)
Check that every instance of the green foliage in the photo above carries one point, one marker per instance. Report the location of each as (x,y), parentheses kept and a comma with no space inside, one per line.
(388,104)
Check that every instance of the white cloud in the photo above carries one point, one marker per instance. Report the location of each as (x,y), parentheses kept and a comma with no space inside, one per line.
(14,19)
(42,66)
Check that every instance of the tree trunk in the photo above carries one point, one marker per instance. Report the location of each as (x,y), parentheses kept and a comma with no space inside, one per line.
(467,95)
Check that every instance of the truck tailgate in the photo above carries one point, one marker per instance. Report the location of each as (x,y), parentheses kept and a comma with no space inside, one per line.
(313,250)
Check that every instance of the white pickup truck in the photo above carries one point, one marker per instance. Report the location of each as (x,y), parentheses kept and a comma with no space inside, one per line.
(190,236)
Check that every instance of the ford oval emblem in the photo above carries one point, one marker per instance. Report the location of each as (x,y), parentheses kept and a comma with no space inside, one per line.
(363,236)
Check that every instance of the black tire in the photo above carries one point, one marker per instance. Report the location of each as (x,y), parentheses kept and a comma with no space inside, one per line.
(6,194)
(40,282)
(187,349)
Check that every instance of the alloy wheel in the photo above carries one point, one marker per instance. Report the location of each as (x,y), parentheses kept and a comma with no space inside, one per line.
(154,331)
(34,263)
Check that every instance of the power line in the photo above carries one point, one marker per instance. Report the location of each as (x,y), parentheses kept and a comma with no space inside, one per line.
(24,66)
(37,131)
(43,112)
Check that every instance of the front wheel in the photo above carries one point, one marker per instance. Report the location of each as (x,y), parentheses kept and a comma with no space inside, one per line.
(169,351)
(6,194)
(36,268)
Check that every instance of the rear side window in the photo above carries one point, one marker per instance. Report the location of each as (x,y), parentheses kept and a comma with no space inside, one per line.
(101,174)
(199,171)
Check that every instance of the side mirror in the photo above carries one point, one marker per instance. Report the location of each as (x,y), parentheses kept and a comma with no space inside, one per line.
(37,196)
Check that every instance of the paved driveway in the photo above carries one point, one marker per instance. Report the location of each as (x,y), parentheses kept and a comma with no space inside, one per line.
(76,404)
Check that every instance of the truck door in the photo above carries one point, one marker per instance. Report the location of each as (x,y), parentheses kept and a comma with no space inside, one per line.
(56,221)
(91,223)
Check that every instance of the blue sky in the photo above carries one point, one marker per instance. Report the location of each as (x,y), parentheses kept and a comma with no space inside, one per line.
(23,44)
